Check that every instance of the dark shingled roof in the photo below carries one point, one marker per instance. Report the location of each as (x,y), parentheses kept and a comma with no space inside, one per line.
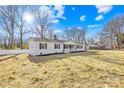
(53,40)
(45,39)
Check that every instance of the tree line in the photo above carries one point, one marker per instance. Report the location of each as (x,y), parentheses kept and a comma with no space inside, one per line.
(113,32)
(13,26)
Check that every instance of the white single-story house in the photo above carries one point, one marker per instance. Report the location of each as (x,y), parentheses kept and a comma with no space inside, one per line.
(93,46)
(38,46)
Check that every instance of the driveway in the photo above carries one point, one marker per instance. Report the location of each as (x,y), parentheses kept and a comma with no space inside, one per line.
(13,52)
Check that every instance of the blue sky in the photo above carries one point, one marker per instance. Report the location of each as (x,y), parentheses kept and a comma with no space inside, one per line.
(91,17)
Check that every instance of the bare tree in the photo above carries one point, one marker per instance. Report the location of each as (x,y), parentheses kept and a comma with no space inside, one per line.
(42,23)
(7,19)
(76,34)
(81,35)
(108,33)
(118,24)
(70,32)
(113,29)
(122,39)
(21,23)
(1,39)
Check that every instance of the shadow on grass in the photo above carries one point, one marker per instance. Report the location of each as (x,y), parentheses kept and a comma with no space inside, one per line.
(110,60)
(60,56)
(12,56)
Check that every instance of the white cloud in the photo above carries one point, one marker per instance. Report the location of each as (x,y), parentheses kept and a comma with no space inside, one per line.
(104,8)
(73,9)
(60,11)
(50,12)
(69,28)
(92,26)
(98,18)
(55,21)
(79,27)
(57,31)
(55,13)
(82,18)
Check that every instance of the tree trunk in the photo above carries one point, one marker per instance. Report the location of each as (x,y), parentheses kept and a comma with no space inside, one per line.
(11,41)
(21,41)
(11,31)
(111,43)
(118,43)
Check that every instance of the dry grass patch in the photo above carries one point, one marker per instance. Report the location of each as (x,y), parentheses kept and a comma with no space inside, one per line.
(84,69)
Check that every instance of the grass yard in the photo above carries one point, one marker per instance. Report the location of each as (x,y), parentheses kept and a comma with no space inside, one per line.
(84,69)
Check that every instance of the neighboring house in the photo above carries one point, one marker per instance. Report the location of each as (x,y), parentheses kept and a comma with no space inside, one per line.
(99,46)
(93,46)
(105,44)
(38,46)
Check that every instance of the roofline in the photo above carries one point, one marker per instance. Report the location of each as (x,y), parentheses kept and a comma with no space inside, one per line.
(60,41)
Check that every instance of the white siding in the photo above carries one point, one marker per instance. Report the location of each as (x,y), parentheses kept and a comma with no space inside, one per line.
(81,49)
(74,49)
(35,50)
(32,47)
(50,48)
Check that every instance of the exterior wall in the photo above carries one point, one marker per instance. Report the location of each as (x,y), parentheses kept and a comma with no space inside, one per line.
(108,46)
(50,48)
(81,49)
(92,46)
(87,47)
(74,49)
(67,50)
(34,48)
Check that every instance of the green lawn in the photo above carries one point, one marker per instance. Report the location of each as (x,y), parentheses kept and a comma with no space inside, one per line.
(84,69)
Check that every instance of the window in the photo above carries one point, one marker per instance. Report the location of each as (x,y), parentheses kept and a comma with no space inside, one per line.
(66,46)
(78,46)
(40,46)
(57,46)
(46,46)
(70,46)
(43,46)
